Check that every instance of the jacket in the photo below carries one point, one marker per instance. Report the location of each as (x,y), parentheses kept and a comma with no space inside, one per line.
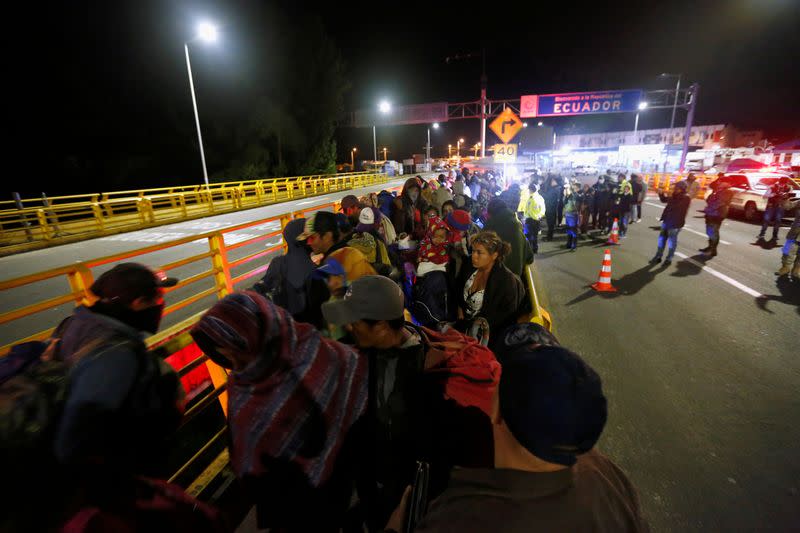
(592,495)
(717,204)
(674,214)
(407,215)
(509,229)
(503,297)
(410,417)
(123,400)
(535,208)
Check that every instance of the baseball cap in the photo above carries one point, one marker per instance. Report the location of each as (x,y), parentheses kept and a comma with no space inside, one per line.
(332,267)
(129,281)
(367,219)
(319,222)
(373,297)
(552,402)
(349,201)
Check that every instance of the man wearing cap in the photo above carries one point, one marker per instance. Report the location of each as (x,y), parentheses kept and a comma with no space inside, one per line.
(123,400)
(547,415)
(430,394)
(351,208)
(321,233)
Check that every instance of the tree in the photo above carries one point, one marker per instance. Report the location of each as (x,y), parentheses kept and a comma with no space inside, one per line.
(289,129)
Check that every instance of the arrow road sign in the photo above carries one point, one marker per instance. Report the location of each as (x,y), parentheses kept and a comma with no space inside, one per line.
(506,125)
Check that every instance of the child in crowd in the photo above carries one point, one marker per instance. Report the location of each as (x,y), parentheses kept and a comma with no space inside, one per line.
(433,253)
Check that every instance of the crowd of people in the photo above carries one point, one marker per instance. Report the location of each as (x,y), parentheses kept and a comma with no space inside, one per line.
(359,393)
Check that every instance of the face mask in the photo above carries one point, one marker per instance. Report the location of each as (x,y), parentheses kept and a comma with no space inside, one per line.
(413,194)
(145,320)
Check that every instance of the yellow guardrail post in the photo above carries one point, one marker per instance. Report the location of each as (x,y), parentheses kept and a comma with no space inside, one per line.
(285,219)
(182,204)
(80,280)
(42,216)
(222,280)
(98,216)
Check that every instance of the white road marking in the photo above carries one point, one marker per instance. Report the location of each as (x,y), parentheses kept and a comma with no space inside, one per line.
(742,287)
(308,202)
(655,205)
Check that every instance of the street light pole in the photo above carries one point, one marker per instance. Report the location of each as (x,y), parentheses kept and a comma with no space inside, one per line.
(694,90)
(353,160)
(428,148)
(635,127)
(374,145)
(196,115)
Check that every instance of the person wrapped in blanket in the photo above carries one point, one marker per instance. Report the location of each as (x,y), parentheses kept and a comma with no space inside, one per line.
(294,400)
(433,250)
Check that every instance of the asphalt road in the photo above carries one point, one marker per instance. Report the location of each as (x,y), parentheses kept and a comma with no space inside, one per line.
(701,366)
(40,260)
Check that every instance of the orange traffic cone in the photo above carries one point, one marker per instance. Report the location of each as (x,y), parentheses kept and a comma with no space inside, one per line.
(614,237)
(604,279)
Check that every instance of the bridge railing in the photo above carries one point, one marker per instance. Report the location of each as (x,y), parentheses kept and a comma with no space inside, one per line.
(217,268)
(73,218)
(666,181)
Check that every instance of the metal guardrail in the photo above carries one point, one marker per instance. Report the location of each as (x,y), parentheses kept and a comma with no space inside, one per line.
(665,182)
(74,218)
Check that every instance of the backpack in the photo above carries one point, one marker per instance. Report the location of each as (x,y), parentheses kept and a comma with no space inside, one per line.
(33,391)
(276,290)
(365,243)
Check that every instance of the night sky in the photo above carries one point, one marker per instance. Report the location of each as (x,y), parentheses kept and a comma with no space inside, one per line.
(121,81)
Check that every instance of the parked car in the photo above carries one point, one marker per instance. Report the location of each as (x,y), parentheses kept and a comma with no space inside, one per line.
(585,170)
(749,189)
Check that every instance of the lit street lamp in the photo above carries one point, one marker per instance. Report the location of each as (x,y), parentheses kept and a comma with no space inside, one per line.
(449,150)
(428,146)
(540,124)
(385,108)
(208,33)
(353,159)
(384,153)
(524,124)
(642,107)
(458,147)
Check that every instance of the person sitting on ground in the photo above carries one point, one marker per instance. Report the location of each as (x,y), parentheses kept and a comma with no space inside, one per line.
(504,222)
(433,250)
(548,413)
(428,189)
(322,234)
(486,288)
(292,433)
(441,195)
(408,208)
(341,268)
(461,229)
(351,206)
(286,277)
(430,393)
(429,212)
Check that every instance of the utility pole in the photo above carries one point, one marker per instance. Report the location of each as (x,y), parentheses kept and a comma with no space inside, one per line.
(483,103)
(694,89)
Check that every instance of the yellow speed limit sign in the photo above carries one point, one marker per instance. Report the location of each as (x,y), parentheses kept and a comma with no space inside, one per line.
(505,153)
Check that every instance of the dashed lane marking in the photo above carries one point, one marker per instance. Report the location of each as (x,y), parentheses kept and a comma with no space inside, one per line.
(727,279)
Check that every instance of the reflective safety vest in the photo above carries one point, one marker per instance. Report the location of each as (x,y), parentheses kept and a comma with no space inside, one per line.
(535,208)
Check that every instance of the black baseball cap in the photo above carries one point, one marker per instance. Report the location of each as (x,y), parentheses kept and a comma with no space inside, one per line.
(128,281)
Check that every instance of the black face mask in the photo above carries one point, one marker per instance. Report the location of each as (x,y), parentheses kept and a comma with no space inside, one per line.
(145,320)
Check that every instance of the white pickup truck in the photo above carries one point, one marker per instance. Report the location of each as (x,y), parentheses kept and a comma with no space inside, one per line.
(749,189)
